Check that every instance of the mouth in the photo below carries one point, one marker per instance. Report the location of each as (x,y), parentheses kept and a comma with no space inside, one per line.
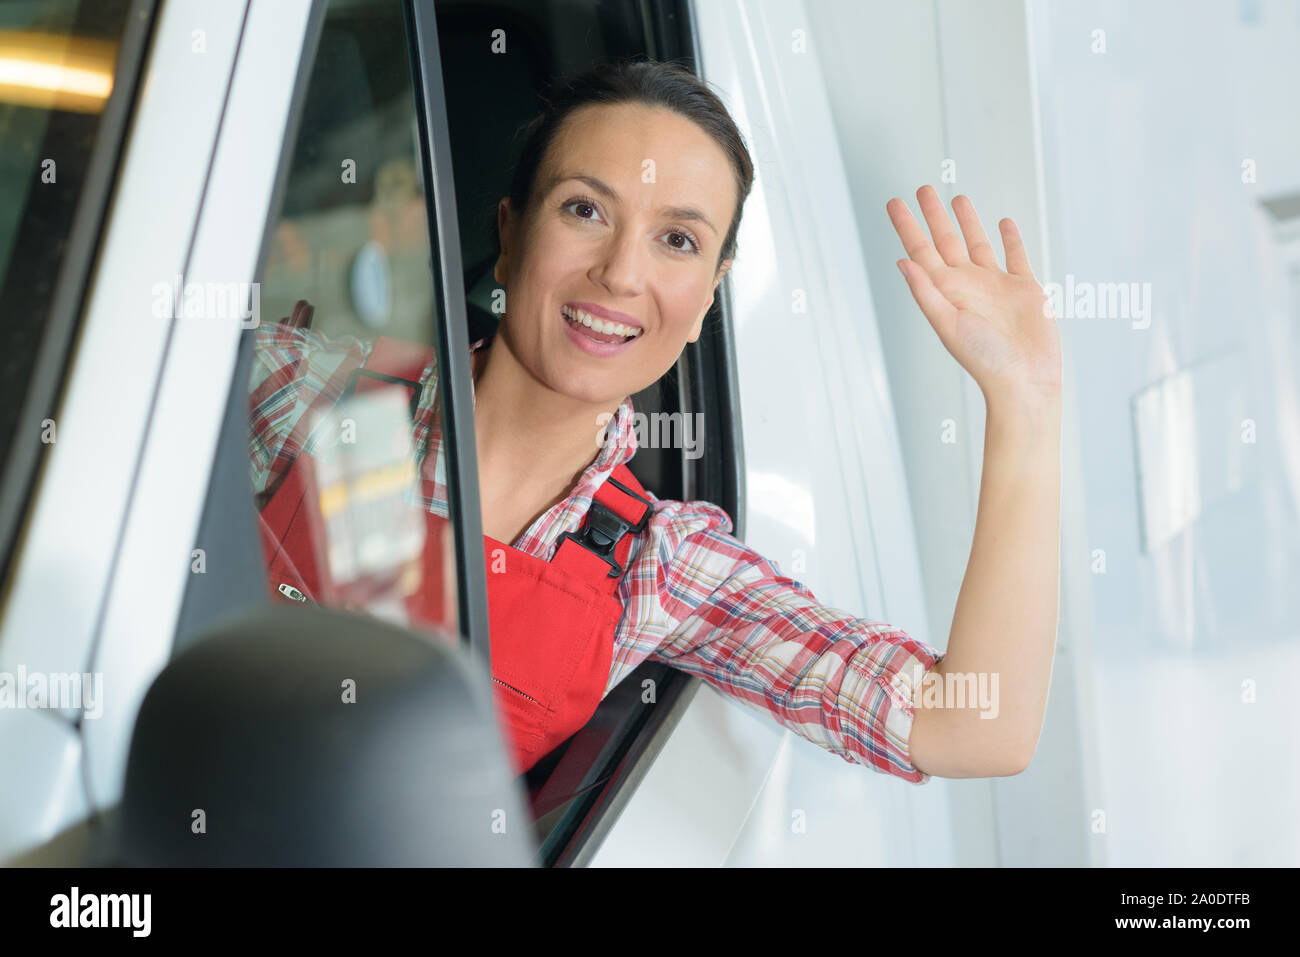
(604,336)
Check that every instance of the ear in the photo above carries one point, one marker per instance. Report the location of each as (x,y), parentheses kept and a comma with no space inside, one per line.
(699,323)
(505,222)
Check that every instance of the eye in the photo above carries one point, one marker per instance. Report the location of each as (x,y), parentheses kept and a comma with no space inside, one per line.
(682,241)
(583,209)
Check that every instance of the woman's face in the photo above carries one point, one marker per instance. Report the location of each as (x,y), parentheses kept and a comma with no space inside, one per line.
(629,210)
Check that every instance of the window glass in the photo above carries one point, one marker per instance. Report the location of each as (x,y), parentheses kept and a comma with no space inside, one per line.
(345,437)
(57,62)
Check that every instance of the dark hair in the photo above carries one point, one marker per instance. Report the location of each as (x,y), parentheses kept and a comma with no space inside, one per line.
(649,82)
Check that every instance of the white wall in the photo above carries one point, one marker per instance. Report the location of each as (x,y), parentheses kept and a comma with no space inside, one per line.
(1122,166)
(1143,149)
(1119,167)
(915,88)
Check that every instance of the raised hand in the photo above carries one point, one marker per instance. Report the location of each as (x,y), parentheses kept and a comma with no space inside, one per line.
(995,323)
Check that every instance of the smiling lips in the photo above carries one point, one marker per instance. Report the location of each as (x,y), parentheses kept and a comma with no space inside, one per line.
(597,329)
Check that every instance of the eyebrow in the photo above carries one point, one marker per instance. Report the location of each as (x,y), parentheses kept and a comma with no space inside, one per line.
(600,186)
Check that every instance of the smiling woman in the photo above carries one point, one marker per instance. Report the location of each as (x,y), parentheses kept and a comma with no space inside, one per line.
(621,217)
(620,222)
(624,205)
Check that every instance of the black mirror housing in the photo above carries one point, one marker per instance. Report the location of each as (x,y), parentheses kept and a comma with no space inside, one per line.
(303,736)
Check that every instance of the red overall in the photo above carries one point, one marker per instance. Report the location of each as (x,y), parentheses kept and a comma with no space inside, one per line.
(552,623)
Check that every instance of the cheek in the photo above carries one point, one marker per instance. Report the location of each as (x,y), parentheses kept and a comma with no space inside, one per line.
(683,302)
(549,263)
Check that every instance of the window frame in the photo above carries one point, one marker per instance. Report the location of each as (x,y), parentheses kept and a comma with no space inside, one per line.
(583,785)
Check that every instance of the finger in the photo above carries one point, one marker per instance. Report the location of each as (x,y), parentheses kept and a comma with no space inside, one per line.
(941,313)
(981,251)
(916,243)
(946,238)
(302,314)
(1017,258)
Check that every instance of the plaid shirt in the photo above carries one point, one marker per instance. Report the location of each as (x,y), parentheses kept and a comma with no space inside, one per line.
(693,595)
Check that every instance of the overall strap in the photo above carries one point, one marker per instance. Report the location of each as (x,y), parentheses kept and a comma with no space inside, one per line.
(618,510)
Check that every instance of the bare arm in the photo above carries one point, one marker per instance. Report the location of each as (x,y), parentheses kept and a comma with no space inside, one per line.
(1005,620)
(1004,628)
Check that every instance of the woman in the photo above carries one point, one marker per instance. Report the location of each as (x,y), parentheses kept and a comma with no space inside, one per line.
(620,223)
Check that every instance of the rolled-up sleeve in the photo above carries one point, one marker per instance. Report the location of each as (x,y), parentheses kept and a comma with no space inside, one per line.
(843,682)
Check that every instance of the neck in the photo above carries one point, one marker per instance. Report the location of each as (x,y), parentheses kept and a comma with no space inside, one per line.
(532,442)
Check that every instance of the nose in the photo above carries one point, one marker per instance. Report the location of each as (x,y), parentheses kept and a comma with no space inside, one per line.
(620,266)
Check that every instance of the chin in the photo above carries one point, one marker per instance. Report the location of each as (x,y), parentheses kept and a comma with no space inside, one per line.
(593,391)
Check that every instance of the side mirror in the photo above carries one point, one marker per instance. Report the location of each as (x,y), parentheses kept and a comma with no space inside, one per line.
(303,736)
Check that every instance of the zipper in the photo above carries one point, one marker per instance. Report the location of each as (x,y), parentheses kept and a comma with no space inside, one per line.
(288,591)
(515,690)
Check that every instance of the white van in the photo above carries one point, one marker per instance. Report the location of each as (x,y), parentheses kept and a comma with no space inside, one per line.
(349,153)
(271,151)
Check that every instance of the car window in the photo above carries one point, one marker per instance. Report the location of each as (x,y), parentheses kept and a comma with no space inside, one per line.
(345,414)
(58,62)
(497,58)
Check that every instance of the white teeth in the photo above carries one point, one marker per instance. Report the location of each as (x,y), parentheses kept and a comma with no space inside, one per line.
(605,326)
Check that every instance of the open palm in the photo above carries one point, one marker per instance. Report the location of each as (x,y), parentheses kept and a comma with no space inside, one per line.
(995,323)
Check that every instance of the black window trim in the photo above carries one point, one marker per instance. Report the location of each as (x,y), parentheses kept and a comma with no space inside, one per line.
(452,334)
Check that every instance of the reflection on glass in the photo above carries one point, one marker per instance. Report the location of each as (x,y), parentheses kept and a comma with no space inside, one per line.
(345,419)
(55,71)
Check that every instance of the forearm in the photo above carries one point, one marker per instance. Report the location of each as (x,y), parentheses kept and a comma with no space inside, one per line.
(1004,626)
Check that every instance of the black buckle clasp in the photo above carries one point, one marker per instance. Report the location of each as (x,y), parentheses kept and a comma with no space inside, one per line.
(604,529)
